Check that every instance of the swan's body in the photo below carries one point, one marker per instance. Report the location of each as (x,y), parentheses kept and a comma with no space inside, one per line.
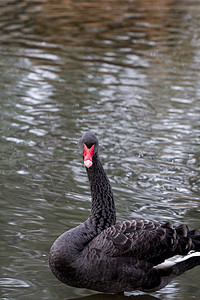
(111,257)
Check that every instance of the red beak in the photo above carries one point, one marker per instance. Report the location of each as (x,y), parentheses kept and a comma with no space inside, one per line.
(88,152)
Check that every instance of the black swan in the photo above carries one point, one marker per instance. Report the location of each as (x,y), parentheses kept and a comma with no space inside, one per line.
(112,257)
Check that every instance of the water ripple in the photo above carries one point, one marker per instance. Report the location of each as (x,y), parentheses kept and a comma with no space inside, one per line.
(13,283)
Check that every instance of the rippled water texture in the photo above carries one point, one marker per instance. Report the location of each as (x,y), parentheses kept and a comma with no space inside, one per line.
(130,72)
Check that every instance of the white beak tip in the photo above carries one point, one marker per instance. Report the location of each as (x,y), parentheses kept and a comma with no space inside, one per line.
(88,163)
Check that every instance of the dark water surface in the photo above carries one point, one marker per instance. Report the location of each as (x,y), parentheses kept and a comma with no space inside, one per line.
(130,72)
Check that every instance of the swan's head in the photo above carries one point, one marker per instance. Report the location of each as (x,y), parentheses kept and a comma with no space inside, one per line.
(88,145)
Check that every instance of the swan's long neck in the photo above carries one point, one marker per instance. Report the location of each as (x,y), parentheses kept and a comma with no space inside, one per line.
(103,213)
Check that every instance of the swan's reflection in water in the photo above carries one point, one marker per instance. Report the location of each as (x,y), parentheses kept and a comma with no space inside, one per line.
(117,297)
(172,291)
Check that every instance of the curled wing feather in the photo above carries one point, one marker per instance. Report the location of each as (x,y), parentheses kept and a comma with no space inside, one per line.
(141,239)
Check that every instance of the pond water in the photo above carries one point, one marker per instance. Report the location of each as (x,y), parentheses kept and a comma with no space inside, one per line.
(128,71)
